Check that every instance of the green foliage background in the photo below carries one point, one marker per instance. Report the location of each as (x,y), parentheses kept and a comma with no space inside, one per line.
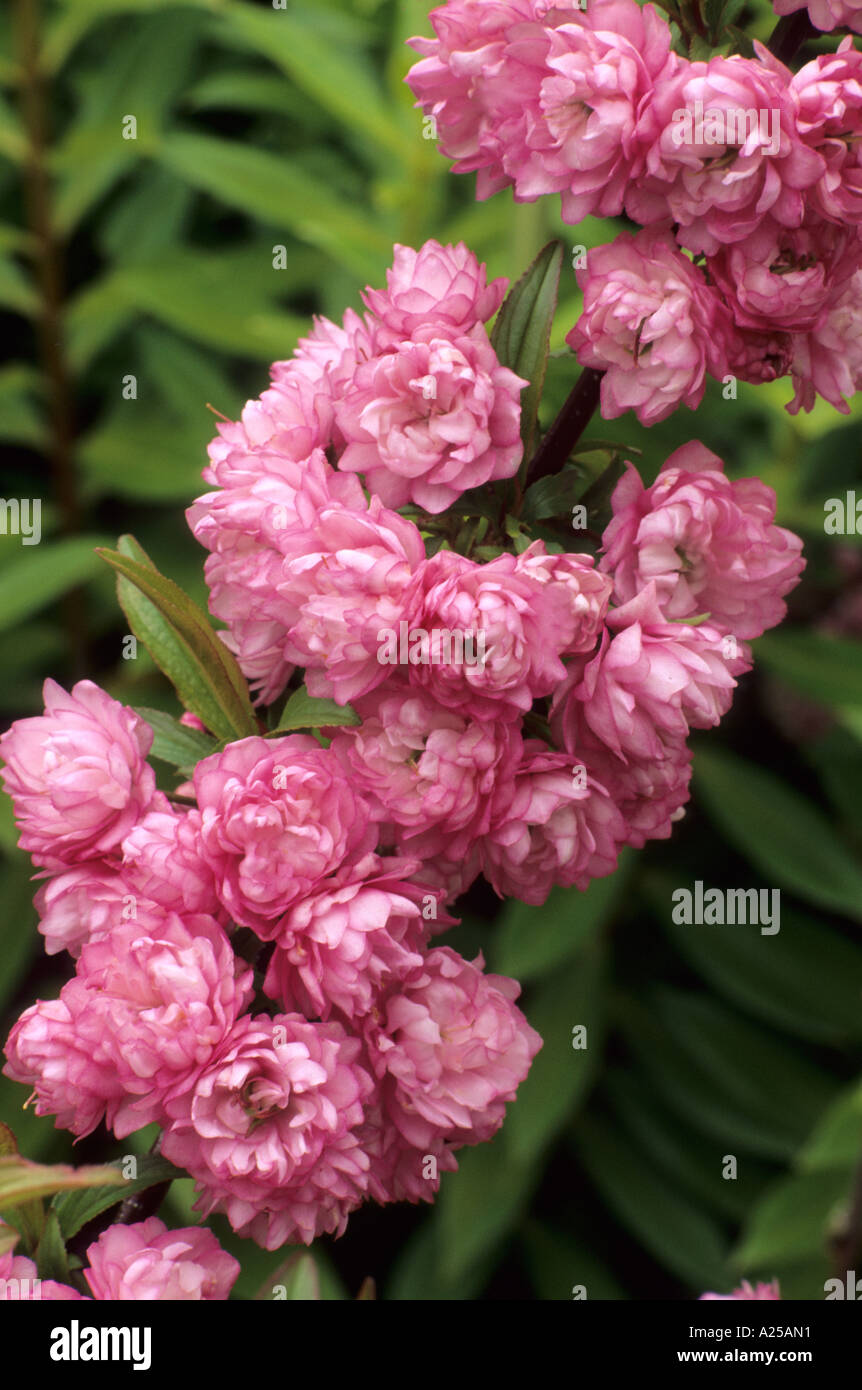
(259,128)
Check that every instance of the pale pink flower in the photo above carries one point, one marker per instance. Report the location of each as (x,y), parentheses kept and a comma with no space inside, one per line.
(556,825)
(439,285)
(82,905)
(77,775)
(71,1072)
(270,1130)
(709,544)
(145,1262)
(436,415)
(746,1290)
(652,324)
(341,944)
(20,1283)
(456,1046)
(718,179)
(163,863)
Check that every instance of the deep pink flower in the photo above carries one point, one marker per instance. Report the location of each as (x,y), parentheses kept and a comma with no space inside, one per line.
(341,944)
(708,543)
(145,1010)
(439,285)
(723,150)
(434,416)
(270,1130)
(827,360)
(77,775)
(456,1046)
(145,1262)
(653,680)
(652,323)
(556,825)
(278,817)
(781,279)
(828,96)
(163,863)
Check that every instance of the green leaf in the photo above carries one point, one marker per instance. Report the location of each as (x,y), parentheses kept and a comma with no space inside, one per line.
(279,194)
(340,83)
(676,1232)
(480,1205)
(806,979)
(40,574)
(23,1181)
(51,1258)
(558,1265)
(20,421)
(836,1140)
(75,1209)
(778,831)
(794,1219)
(561,1074)
(174,742)
(530,942)
(824,668)
(180,640)
(522,332)
(304,711)
(553,496)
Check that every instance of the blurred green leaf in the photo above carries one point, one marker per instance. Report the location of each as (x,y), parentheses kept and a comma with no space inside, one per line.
(297,1277)
(836,1140)
(676,1231)
(794,1219)
(822,667)
(481,1204)
(37,575)
(777,830)
(558,1265)
(51,1259)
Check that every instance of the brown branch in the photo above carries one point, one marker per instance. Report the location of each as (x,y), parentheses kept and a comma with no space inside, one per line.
(568,427)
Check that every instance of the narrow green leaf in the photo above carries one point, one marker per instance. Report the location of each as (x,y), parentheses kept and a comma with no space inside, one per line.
(23,1181)
(836,1140)
(777,830)
(822,667)
(522,332)
(75,1209)
(794,1219)
(304,711)
(38,575)
(51,1258)
(181,641)
(173,742)
(480,1205)
(558,1266)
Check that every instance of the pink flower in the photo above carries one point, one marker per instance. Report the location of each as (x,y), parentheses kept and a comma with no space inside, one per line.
(346,575)
(521,613)
(426,769)
(341,944)
(82,905)
(708,544)
(745,1290)
(653,680)
(145,1263)
(439,285)
(828,97)
(77,775)
(403,1169)
(162,861)
(456,1046)
(269,1131)
(20,1283)
(781,279)
(825,14)
(145,1011)
(649,792)
(580,130)
(431,418)
(555,826)
(652,323)
(278,817)
(722,151)
(827,360)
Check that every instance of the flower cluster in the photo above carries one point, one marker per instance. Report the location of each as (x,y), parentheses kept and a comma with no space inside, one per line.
(744,177)
(256,967)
